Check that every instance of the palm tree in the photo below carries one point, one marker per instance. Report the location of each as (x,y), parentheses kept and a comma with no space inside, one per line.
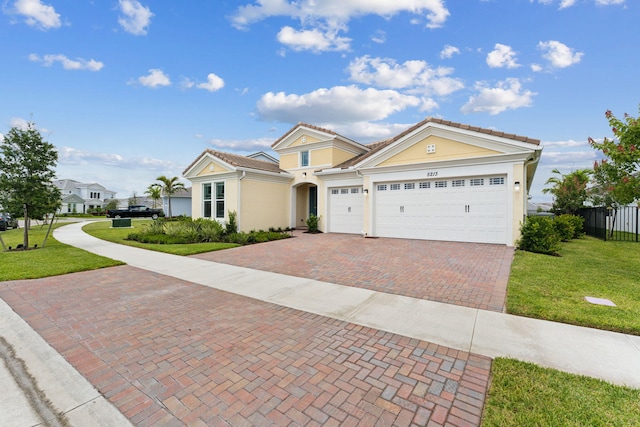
(169,187)
(569,191)
(155,193)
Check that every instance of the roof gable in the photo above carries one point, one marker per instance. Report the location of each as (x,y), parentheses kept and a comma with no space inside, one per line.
(206,163)
(304,134)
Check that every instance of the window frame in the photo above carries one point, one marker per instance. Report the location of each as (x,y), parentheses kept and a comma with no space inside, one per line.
(305,158)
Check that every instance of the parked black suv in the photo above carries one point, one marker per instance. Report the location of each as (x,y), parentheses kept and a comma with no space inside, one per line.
(7,221)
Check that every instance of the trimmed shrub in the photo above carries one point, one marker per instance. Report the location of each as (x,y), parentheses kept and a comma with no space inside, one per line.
(564,227)
(312,223)
(232,224)
(539,235)
(578,226)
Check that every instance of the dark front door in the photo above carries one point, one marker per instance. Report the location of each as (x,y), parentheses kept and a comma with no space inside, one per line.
(313,201)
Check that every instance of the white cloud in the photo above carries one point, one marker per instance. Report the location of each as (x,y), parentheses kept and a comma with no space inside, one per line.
(19,122)
(314,40)
(213,84)
(154,79)
(37,14)
(67,64)
(416,76)
(337,105)
(379,37)
(506,95)
(247,145)
(502,56)
(339,10)
(536,68)
(568,3)
(448,51)
(568,143)
(136,17)
(558,54)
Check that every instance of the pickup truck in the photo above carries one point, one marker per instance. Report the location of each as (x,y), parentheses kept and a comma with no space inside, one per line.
(135,211)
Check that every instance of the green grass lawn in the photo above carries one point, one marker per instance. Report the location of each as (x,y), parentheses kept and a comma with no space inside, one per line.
(553,288)
(524,394)
(52,260)
(103,230)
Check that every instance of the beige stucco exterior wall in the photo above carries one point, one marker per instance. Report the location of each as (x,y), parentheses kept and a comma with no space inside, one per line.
(445,150)
(309,140)
(519,200)
(216,169)
(263,205)
(323,156)
(196,200)
(289,161)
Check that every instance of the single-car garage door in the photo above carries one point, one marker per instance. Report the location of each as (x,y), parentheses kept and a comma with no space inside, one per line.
(346,210)
(462,210)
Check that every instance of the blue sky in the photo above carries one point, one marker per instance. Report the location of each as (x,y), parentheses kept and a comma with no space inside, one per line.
(129,90)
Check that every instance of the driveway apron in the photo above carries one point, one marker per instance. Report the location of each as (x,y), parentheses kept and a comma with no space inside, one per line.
(467,274)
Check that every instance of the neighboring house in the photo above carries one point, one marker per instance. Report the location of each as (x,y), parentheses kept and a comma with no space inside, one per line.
(261,155)
(79,197)
(438,180)
(180,203)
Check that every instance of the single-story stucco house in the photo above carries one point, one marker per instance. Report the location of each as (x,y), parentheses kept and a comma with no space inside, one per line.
(437,180)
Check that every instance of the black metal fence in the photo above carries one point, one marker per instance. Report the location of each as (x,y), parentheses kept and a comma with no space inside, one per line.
(611,223)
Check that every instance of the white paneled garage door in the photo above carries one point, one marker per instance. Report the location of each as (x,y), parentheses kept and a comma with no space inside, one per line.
(462,210)
(346,210)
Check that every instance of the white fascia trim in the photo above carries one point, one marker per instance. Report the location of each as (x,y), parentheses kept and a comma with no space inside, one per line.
(334,171)
(201,164)
(501,158)
(284,175)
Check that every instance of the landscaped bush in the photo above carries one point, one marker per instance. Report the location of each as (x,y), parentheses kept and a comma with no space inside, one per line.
(578,225)
(200,230)
(232,224)
(312,223)
(538,234)
(564,226)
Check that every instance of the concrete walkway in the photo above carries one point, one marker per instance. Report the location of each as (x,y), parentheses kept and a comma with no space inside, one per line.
(610,356)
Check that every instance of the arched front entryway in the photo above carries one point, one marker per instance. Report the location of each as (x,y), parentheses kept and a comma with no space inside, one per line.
(305,203)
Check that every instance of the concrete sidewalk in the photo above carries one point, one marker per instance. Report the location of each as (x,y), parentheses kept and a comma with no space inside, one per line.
(610,356)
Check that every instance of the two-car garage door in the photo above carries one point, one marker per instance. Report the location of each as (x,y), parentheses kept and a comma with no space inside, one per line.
(470,209)
(462,210)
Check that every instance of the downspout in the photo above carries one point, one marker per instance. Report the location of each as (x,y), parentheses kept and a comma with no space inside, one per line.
(238,216)
(359,175)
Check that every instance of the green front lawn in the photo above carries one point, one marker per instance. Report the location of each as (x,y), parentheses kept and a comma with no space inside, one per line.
(53,260)
(554,288)
(524,394)
(102,230)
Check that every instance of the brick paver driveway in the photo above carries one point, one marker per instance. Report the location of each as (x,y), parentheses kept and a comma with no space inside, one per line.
(170,353)
(469,274)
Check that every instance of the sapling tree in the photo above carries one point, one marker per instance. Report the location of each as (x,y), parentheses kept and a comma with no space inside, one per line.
(616,178)
(27,164)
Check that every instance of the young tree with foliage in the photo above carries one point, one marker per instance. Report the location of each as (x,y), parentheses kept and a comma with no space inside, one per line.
(569,191)
(154,191)
(617,177)
(170,186)
(27,164)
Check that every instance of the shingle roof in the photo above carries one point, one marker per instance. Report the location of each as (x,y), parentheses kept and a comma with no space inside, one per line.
(377,146)
(238,161)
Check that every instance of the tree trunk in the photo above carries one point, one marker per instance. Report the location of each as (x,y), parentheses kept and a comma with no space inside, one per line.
(49,229)
(4,248)
(25,241)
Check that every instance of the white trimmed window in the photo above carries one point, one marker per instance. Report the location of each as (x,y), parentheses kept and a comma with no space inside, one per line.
(441,184)
(409,185)
(457,183)
(395,186)
(382,187)
(425,185)
(355,190)
(496,181)
(304,159)
(335,191)
(476,182)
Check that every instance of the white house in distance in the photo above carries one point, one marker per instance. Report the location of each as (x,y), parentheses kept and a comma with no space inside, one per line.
(79,197)
(437,180)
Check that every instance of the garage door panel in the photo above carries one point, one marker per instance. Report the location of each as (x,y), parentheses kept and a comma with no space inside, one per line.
(453,210)
(346,210)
